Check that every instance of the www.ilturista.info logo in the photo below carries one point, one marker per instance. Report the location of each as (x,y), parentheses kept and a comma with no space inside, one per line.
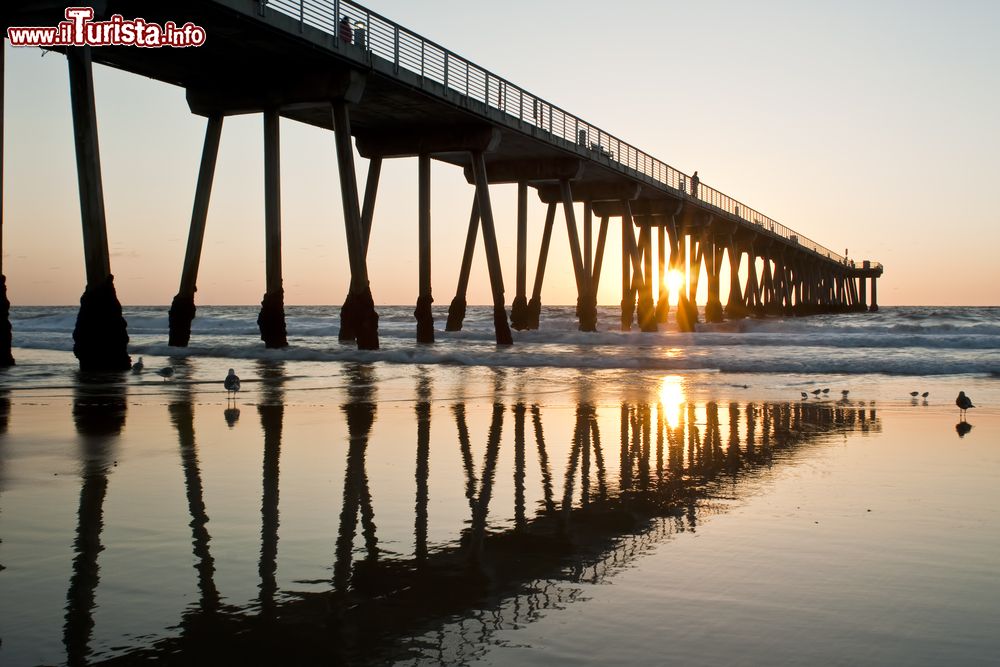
(80,29)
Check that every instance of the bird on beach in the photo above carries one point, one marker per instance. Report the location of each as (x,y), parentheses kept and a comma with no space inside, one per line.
(817,392)
(925,394)
(964,403)
(845,392)
(166,372)
(914,394)
(138,366)
(805,395)
(826,391)
(232,383)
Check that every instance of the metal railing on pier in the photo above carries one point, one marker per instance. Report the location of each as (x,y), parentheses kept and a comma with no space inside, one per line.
(358,26)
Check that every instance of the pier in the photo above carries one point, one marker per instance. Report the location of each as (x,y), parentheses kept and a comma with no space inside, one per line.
(387,93)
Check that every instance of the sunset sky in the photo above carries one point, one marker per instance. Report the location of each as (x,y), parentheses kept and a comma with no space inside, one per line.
(866,126)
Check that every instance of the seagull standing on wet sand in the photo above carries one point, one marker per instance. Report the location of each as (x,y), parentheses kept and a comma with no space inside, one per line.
(964,403)
(232,383)
(166,372)
(137,366)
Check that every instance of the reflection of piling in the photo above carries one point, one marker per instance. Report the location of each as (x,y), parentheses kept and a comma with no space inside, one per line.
(423,410)
(543,459)
(182,416)
(519,510)
(99,416)
(271,417)
(360,411)
(482,506)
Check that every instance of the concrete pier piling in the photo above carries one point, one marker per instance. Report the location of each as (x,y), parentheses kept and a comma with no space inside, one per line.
(182,310)
(422,313)
(520,318)
(271,320)
(358,315)
(456,311)
(6,333)
(100,338)
(501,326)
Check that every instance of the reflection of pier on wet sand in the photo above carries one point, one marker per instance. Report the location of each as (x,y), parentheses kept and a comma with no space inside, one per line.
(625,485)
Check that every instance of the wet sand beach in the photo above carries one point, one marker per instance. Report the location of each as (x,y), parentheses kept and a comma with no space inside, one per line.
(373,513)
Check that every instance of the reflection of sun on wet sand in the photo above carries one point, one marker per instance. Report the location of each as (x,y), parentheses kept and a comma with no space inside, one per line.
(391,505)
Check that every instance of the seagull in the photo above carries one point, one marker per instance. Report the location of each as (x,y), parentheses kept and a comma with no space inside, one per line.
(232,383)
(914,394)
(137,366)
(232,415)
(826,391)
(817,392)
(805,395)
(964,403)
(166,372)
(925,394)
(845,392)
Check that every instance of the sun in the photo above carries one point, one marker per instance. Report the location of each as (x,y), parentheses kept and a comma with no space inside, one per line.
(675,281)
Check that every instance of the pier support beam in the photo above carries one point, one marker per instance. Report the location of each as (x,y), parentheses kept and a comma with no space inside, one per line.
(348,332)
(503,334)
(358,315)
(586,304)
(100,338)
(646,308)
(6,359)
(687,309)
(271,320)
(863,297)
(628,294)
(519,317)
(535,304)
(662,300)
(583,310)
(425,318)
(735,308)
(874,307)
(182,310)
(713,266)
(456,311)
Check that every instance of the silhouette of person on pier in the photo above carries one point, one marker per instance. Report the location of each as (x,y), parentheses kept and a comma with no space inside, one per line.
(694,184)
(346,32)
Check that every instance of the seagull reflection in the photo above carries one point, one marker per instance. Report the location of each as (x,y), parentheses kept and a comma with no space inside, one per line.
(231,415)
(962,428)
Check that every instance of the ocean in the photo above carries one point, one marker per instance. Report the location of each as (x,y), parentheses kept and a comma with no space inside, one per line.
(896,341)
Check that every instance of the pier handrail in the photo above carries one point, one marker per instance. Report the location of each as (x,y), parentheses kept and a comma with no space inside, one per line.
(404,48)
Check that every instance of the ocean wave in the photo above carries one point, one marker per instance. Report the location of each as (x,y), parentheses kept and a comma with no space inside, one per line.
(894,343)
